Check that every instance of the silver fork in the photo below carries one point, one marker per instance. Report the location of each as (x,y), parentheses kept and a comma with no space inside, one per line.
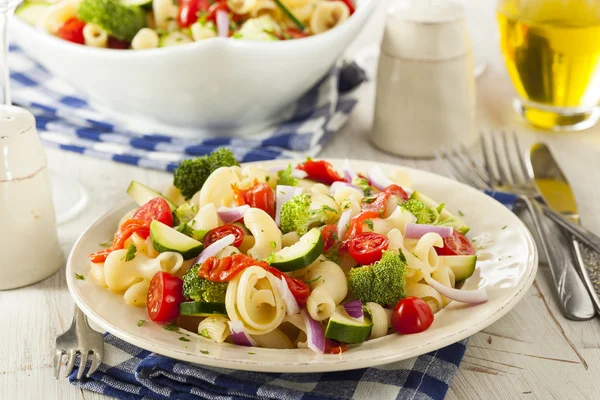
(500,172)
(79,339)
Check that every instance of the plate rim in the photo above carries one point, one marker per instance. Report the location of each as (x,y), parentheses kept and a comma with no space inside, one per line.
(315,366)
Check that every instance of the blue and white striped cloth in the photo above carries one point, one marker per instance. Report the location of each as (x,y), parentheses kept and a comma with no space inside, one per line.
(65,120)
(130,373)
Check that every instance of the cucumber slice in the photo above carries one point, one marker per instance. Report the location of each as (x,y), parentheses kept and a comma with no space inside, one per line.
(446,217)
(31,12)
(301,254)
(201,309)
(462,266)
(345,329)
(142,194)
(165,238)
(173,39)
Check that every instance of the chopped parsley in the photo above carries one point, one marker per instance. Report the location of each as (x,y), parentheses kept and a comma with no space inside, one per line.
(171,327)
(504,258)
(440,208)
(370,224)
(460,213)
(363,183)
(251,353)
(80,277)
(504,227)
(130,253)
(369,200)
(314,280)
(285,177)
(273,244)
(204,333)
(141,322)
(184,339)
(204,351)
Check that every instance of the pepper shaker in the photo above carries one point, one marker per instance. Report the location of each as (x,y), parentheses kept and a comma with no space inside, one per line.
(425,84)
(29,246)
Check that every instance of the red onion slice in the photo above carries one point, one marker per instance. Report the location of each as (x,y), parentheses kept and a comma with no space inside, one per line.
(232,214)
(223,23)
(283,194)
(416,231)
(291,305)
(214,248)
(378,179)
(314,334)
(239,335)
(354,308)
(342,224)
(463,296)
(349,173)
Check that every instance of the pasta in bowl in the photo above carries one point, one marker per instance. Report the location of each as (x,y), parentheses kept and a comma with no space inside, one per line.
(214,85)
(318,290)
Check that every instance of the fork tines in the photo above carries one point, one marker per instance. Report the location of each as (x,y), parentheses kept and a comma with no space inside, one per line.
(499,167)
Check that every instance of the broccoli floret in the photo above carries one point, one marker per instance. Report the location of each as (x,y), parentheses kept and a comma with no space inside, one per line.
(199,289)
(297,216)
(424,214)
(284,177)
(382,283)
(185,213)
(191,174)
(120,21)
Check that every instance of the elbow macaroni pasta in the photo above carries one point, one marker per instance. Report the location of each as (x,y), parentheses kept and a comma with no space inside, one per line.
(257,295)
(95,36)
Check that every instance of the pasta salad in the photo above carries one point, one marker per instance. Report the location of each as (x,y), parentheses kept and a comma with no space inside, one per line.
(300,257)
(146,24)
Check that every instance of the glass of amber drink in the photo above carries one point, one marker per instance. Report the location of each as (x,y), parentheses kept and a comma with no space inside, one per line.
(552,53)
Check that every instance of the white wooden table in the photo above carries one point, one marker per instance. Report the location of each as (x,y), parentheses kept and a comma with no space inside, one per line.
(531,353)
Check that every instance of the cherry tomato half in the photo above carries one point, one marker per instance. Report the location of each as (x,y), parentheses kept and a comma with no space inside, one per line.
(156,209)
(220,232)
(188,11)
(258,196)
(411,315)
(164,296)
(350,5)
(456,245)
(367,248)
(329,235)
(320,171)
(72,30)
(379,202)
(356,224)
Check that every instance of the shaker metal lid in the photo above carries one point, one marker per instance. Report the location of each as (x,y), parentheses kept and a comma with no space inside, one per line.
(21,152)
(425,30)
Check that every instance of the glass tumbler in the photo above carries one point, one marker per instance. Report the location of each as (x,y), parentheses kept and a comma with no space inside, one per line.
(552,53)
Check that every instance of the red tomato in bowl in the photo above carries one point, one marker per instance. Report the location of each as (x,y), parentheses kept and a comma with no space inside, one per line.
(258,196)
(156,209)
(456,245)
(367,248)
(164,296)
(320,171)
(220,232)
(411,315)
(188,11)
(72,30)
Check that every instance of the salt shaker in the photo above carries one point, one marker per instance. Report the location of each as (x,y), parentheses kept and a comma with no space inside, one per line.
(29,246)
(425,84)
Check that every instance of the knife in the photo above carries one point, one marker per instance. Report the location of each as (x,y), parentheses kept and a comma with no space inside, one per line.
(554,191)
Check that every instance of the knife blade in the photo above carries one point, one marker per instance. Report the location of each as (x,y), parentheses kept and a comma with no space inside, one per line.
(555,191)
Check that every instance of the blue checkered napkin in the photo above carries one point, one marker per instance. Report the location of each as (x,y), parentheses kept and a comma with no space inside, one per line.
(66,121)
(130,373)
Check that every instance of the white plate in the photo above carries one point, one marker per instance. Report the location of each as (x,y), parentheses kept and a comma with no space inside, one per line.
(506,276)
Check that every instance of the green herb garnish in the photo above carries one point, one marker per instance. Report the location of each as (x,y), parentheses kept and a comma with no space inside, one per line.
(314,280)
(184,339)
(141,322)
(460,213)
(273,244)
(171,327)
(130,253)
(370,224)
(251,353)
(204,333)
(504,227)
(80,277)
(107,243)
(204,351)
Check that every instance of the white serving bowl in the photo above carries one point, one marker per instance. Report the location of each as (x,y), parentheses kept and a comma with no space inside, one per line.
(216,86)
